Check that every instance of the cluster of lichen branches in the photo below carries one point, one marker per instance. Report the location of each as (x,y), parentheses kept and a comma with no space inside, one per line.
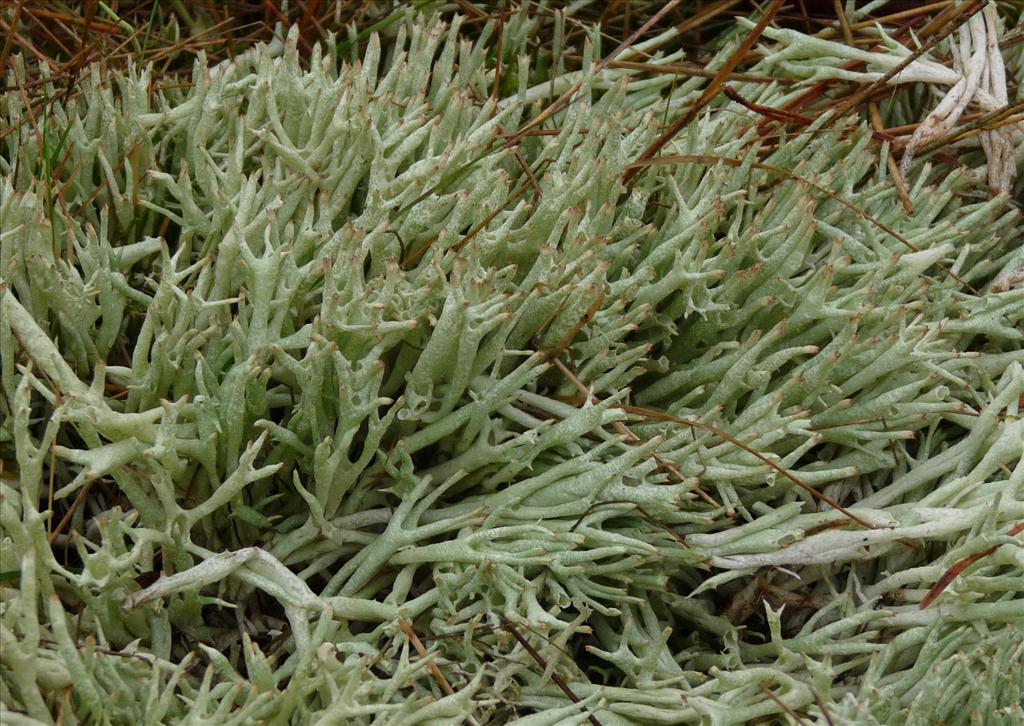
(327,398)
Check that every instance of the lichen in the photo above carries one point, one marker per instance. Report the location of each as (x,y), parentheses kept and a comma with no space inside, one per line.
(359,407)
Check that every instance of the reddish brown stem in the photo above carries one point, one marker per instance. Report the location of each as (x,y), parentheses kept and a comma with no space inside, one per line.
(957,569)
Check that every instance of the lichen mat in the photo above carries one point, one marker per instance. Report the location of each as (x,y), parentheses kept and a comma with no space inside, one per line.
(325,403)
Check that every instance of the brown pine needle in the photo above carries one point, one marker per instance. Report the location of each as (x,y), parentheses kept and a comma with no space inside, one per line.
(876,118)
(66,519)
(766,111)
(659,416)
(689,70)
(558,680)
(562,101)
(957,569)
(435,672)
(785,706)
(824,711)
(957,18)
(632,438)
(707,97)
(431,666)
(670,159)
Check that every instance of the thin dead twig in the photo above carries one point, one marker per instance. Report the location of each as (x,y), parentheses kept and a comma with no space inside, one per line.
(709,94)
(712,159)
(558,680)
(957,18)
(630,437)
(958,568)
(563,100)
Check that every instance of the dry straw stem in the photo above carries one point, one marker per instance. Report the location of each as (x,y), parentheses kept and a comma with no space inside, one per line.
(713,89)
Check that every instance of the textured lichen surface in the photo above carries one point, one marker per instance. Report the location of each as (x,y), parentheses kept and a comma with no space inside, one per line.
(328,399)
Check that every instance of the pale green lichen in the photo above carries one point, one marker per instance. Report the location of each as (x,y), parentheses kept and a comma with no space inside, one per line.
(290,334)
